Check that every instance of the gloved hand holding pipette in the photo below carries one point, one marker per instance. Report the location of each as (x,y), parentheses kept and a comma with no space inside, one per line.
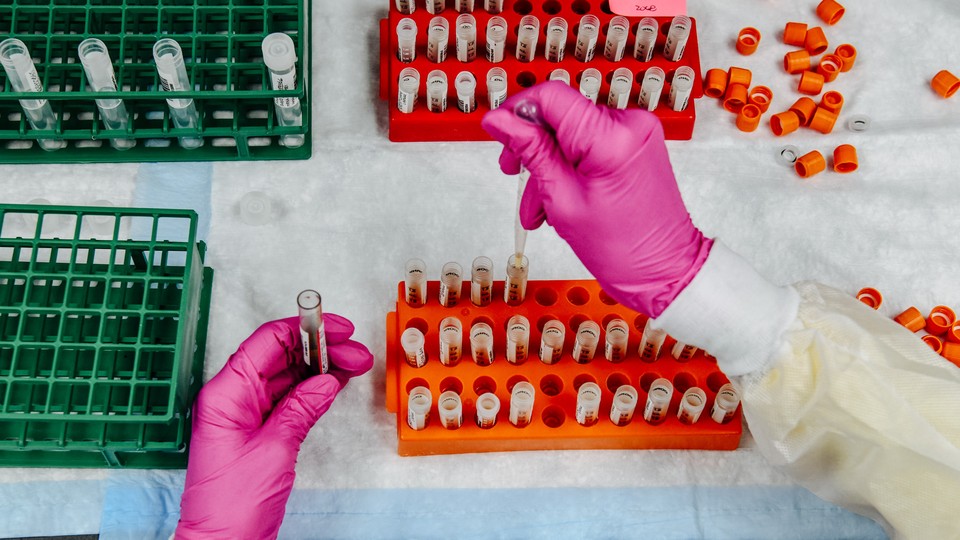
(853,406)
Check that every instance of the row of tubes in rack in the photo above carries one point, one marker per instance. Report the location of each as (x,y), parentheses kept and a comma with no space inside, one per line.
(481,282)
(622,408)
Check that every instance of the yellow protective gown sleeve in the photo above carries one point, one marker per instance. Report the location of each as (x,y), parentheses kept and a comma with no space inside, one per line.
(850,404)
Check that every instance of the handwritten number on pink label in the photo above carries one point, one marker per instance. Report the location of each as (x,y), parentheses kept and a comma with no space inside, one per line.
(648,8)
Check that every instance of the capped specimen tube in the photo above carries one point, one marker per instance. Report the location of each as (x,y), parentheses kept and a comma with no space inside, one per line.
(408,90)
(620,86)
(682,351)
(311,331)
(588,404)
(481,344)
(481,281)
(680,88)
(98,67)
(527,37)
(725,405)
(677,38)
(450,410)
(493,6)
(587,33)
(415,282)
(451,341)
(464,6)
(521,404)
(435,6)
(488,405)
(413,343)
(173,78)
(438,36)
(691,405)
(624,404)
(515,286)
(518,339)
(466,86)
(436,91)
(418,407)
(560,74)
(551,342)
(618,334)
(646,39)
(280,57)
(651,87)
(23,77)
(496,38)
(451,280)
(406,6)
(590,84)
(496,88)
(407,40)
(658,401)
(651,342)
(585,346)
(466,37)
(556,39)
(617,32)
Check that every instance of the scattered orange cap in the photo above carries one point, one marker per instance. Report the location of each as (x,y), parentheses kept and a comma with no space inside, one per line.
(951,351)
(748,118)
(911,319)
(940,320)
(829,67)
(954,333)
(735,97)
(815,42)
(761,96)
(739,75)
(784,123)
(870,297)
(715,83)
(795,33)
(945,83)
(748,40)
(804,107)
(832,101)
(823,120)
(845,160)
(811,83)
(848,55)
(934,342)
(810,164)
(796,61)
(830,11)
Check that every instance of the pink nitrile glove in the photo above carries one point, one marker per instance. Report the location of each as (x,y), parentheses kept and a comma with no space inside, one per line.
(249,422)
(602,178)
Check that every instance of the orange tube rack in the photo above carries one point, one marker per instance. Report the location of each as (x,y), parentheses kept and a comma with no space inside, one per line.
(553,425)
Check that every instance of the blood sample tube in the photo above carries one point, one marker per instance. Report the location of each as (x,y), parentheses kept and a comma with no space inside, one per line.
(646,39)
(407,40)
(488,405)
(691,405)
(451,280)
(418,408)
(590,84)
(618,334)
(551,342)
(466,86)
(658,401)
(481,281)
(496,87)
(481,344)
(617,32)
(436,91)
(515,286)
(624,404)
(496,39)
(680,88)
(587,33)
(651,88)
(415,282)
(620,86)
(521,404)
(527,37)
(677,38)
(682,351)
(408,90)
(311,330)
(413,342)
(451,341)
(560,74)
(725,405)
(466,37)
(585,346)
(518,339)
(450,410)
(556,39)
(438,37)
(588,404)
(651,342)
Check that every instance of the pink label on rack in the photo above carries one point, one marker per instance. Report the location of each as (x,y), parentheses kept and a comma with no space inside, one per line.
(649,8)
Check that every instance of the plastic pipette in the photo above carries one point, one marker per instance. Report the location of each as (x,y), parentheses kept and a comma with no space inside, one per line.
(529,112)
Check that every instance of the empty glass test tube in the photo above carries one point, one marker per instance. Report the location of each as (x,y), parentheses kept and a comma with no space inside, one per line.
(450,410)
(556,39)
(587,33)
(590,84)
(585,346)
(521,404)
(407,40)
(527,37)
(493,6)
(436,91)
(466,86)
(435,6)
(496,87)
(651,342)
(451,341)
(515,286)
(488,405)
(551,342)
(617,32)
(646,39)
(481,281)
(620,86)
(725,405)
(618,335)
(481,344)
(682,351)
(496,39)
(408,89)
(98,67)
(280,57)
(406,6)
(691,405)
(466,37)
(415,282)
(464,6)
(173,78)
(418,408)
(23,77)
(518,339)
(560,74)
(624,404)
(680,88)
(588,404)
(658,401)
(438,37)
(651,87)
(311,331)
(414,349)
(451,281)
(677,38)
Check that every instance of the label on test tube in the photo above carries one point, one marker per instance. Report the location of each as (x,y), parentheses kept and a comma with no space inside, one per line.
(416,283)
(725,404)
(521,404)
(451,341)
(412,342)
(620,84)
(518,339)
(169,82)
(321,340)
(651,342)
(406,6)
(646,39)
(658,401)
(481,286)
(496,88)
(451,281)
(481,344)
(677,38)
(682,351)
(587,33)
(623,406)
(551,342)
(618,336)
(437,39)
(287,81)
(617,33)
(588,404)
(691,405)
(650,88)
(418,408)
(435,6)
(466,38)
(585,346)
(407,91)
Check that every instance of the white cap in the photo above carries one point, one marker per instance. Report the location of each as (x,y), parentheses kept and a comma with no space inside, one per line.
(279,53)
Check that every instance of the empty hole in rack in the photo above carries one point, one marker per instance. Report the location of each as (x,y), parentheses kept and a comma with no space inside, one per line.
(683,381)
(419,324)
(581,7)
(544,320)
(451,384)
(640,322)
(546,296)
(482,385)
(512,381)
(522,7)
(605,7)
(413,383)
(665,27)
(647,379)
(715,380)
(575,322)
(551,385)
(607,299)
(551,7)
(578,296)
(616,380)
(582,378)
(553,416)
(526,79)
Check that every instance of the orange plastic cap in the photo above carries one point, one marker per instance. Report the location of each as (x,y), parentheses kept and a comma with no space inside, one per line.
(795,33)
(845,160)
(804,107)
(951,351)
(934,342)
(761,96)
(735,98)
(748,118)
(748,40)
(830,11)
(829,67)
(954,333)
(739,75)
(810,164)
(832,101)
(870,297)
(848,55)
(784,123)
(796,61)
(911,319)
(940,320)
(715,83)
(811,83)
(815,41)
(823,120)
(945,83)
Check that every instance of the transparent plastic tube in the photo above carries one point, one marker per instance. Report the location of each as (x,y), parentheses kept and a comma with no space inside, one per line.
(620,86)
(413,343)
(407,40)
(451,281)
(173,78)
(450,410)
(646,39)
(515,286)
(312,336)
(481,281)
(681,88)
(23,77)
(488,406)
(683,352)
(658,401)
(527,37)
(725,405)
(556,39)
(651,342)
(651,88)
(406,6)
(624,405)
(518,339)
(466,86)
(481,344)
(98,68)
(415,282)
(588,404)
(677,38)
(551,342)
(435,6)
(436,91)
(585,346)
(493,6)
(617,32)
(418,408)
(451,341)
(438,38)
(618,336)
(496,87)
(691,405)
(560,74)
(496,39)
(521,404)
(466,38)
(408,90)
(590,84)
(464,6)
(587,34)
(279,54)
